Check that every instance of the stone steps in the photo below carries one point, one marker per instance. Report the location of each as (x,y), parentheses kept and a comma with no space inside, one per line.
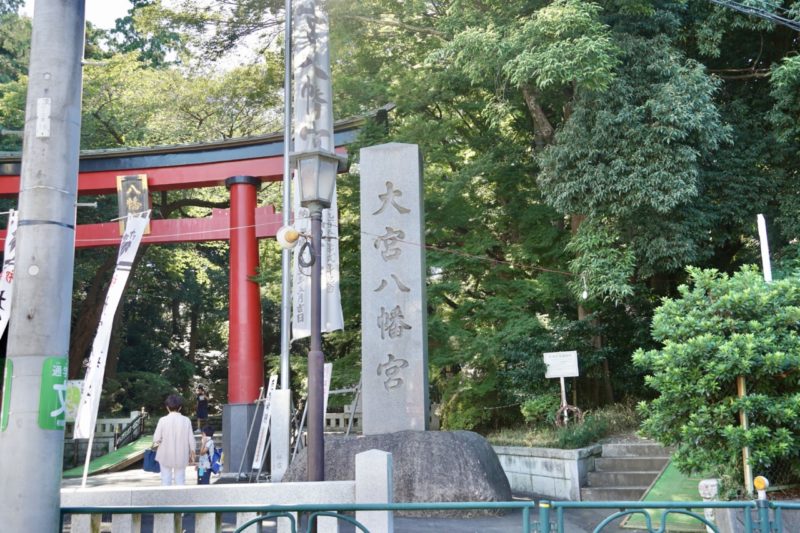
(624,471)
(634,449)
(630,464)
(605,494)
(620,479)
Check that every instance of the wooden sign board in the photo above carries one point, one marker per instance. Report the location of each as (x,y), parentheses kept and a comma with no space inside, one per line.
(561,364)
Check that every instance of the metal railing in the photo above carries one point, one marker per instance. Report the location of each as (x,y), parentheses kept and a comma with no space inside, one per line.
(131,431)
(761,516)
(644,509)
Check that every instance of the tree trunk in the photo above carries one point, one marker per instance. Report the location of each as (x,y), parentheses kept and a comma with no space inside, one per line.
(88,317)
(115,343)
(176,318)
(194,322)
(543,130)
(597,341)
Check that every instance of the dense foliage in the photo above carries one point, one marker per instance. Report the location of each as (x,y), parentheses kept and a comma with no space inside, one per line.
(719,328)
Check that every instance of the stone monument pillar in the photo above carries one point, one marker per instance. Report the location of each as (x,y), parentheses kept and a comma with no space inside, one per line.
(394,344)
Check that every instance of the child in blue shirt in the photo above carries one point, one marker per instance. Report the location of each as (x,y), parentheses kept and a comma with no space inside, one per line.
(206,451)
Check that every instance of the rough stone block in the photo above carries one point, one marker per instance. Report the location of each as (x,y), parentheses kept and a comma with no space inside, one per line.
(428,466)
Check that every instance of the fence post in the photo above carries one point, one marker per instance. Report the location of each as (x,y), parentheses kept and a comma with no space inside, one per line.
(544,516)
(374,485)
(85,523)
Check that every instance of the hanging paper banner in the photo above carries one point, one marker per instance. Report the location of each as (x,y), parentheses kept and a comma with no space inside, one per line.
(332,317)
(9,255)
(313,126)
(93,383)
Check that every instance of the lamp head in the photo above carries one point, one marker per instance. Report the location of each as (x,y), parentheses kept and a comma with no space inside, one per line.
(316,172)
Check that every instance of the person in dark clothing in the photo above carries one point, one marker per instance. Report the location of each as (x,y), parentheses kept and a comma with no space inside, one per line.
(202,407)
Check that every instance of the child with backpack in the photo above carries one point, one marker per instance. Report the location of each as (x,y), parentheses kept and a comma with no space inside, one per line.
(205,456)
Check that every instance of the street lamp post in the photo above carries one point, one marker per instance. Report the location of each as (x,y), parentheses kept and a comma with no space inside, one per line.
(316,172)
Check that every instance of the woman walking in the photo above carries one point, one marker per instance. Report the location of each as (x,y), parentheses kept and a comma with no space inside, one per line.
(175,442)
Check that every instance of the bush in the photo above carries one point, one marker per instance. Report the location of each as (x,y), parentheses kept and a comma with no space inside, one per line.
(541,408)
(610,420)
(580,435)
(722,327)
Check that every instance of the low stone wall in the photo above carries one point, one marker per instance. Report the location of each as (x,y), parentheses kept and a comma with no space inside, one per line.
(373,484)
(549,472)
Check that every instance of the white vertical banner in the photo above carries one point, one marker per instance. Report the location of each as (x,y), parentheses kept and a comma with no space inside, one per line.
(93,382)
(313,127)
(332,317)
(327,371)
(9,258)
(266,416)
(762,238)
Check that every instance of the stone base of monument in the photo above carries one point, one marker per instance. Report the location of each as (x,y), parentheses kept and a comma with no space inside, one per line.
(428,466)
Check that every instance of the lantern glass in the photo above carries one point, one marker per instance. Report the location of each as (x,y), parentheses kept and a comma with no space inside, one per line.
(317,174)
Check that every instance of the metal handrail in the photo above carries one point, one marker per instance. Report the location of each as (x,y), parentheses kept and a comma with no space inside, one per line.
(131,432)
(761,522)
(642,507)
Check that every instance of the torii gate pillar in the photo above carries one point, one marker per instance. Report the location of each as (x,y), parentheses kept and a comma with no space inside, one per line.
(245,352)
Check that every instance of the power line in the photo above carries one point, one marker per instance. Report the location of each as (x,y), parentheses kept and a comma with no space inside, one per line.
(761,13)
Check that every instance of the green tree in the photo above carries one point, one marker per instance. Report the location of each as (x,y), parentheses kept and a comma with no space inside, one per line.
(719,328)
(154,45)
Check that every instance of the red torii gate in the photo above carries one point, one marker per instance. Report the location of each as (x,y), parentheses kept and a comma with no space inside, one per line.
(240,164)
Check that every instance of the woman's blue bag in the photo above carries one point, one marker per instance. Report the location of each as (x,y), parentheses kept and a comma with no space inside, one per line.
(150,463)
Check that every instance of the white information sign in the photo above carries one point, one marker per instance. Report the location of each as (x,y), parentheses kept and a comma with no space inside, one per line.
(327,370)
(266,415)
(561,364)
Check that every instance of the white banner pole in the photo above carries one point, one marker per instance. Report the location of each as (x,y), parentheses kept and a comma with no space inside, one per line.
(86,417)
(9,261)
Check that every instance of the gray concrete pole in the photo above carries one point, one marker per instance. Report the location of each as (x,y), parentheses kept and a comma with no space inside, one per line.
(32,424)
(316,359)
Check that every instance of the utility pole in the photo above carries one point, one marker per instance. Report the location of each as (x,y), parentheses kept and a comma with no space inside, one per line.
(32,420)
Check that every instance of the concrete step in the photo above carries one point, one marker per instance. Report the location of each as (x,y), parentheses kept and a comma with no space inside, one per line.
(630,464)
(620,479)
(634,449)
(604,494)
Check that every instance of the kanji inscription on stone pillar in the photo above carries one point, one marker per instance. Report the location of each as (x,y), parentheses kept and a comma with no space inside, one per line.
(394,323)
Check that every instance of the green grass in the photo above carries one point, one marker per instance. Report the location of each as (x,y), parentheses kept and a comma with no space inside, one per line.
(671,486)
(103,463)
(598,424)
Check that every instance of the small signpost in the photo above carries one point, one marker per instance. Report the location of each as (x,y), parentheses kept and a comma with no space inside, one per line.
(562,365)
(266,415)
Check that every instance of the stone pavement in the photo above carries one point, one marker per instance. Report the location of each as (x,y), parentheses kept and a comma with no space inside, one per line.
(576,521)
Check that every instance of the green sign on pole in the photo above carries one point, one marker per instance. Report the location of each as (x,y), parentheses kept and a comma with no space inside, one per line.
(6,394)
(53,394)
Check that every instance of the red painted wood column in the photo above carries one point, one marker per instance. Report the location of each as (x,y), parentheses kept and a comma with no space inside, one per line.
(245,349)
